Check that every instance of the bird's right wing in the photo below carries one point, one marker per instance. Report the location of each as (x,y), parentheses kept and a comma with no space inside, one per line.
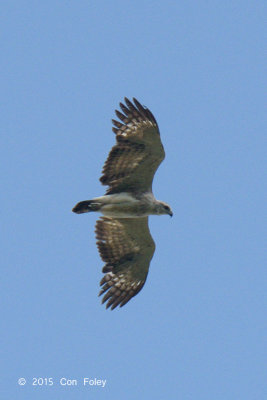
(133,161)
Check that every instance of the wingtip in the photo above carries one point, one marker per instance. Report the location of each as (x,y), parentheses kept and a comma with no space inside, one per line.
(137,104)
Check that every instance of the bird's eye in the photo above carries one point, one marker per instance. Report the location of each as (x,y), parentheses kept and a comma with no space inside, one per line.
(166,207)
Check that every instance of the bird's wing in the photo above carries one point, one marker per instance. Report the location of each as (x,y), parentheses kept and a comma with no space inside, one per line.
(126,246)
(133,161)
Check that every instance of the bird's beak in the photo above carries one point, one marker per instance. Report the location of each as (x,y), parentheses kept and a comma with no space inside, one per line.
(170,213)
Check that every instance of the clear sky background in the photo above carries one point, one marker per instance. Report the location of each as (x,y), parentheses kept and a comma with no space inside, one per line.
(197,329)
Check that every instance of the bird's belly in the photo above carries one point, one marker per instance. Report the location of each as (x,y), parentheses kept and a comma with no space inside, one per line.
(125,210)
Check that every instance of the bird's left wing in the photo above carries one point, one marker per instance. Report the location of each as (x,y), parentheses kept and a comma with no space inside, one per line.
(126,246)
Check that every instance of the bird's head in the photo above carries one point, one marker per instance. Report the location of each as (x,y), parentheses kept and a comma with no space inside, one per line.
(164,208)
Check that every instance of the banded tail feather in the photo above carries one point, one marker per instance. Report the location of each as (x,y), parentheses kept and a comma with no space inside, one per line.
(86,206)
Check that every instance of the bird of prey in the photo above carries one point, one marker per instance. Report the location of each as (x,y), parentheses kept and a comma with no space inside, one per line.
(123,237)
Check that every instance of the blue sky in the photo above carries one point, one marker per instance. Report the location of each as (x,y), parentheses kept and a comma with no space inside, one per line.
(197,329)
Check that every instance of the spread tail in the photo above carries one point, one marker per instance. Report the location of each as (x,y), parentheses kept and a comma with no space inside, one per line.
(86,206)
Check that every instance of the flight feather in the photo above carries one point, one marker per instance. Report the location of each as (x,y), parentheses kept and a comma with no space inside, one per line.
(126,246)
(133,161)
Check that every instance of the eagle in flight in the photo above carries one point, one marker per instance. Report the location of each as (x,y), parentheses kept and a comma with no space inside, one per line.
(123,237)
